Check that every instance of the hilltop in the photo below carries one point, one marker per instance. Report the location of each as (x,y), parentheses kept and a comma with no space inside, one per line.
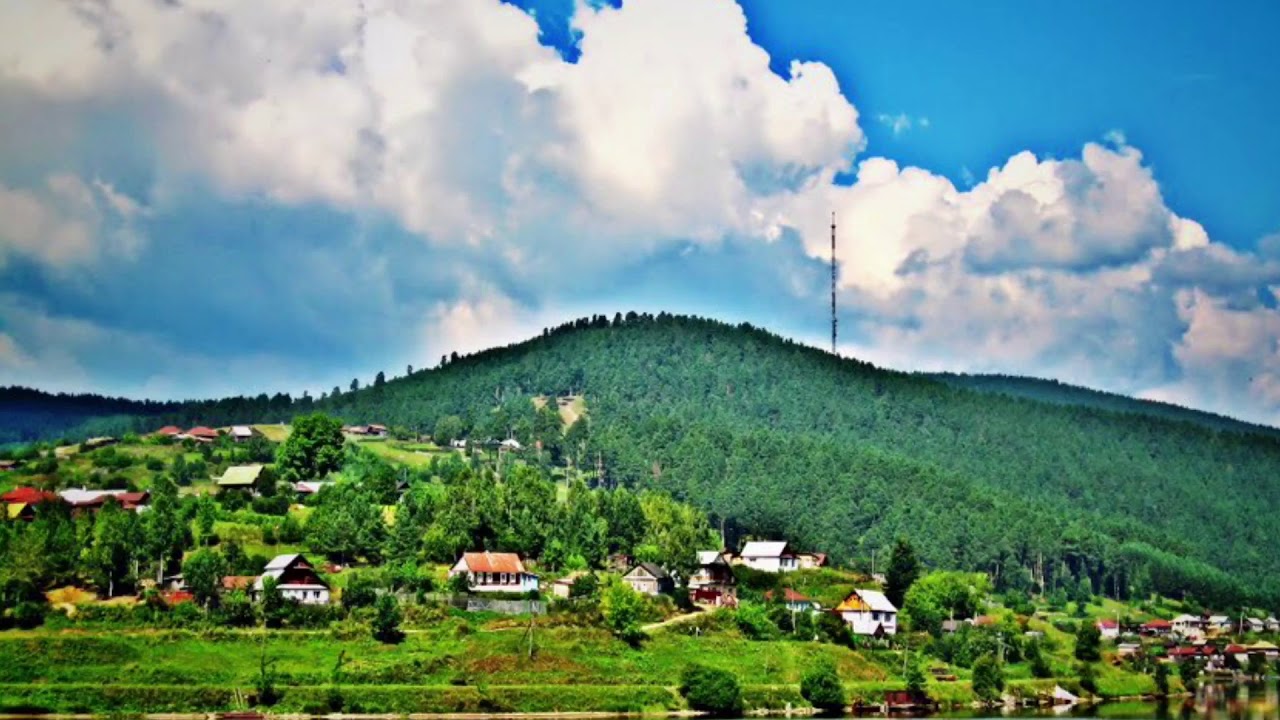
(783,439)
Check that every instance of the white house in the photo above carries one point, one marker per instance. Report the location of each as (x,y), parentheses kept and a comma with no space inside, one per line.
(241,433)
(510,444)
(1255,625)
(1220,623)
(296,579)
(1188,626)
(1109,629)
(768,556)
(1271,624)
(868,612)
(495,573)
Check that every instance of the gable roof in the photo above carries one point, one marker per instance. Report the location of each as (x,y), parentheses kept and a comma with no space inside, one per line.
(764,549)
(241,431)
(492,562)
(788,595)
(711,557)
(653,570)
(866,600)
(169,430)
(203,432)
(282,563)
(27,496)
(240,476)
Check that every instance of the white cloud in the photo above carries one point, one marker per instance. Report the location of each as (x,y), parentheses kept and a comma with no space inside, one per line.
(670,132)
(902,123)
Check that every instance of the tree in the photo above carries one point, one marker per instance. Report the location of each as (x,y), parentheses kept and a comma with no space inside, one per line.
(165,533)
(109,557)
(355,384)
(203,573)
(916,683)
(903,570)
(1088,642)
(380,379)
(938,596)
(361,591)
(621,608)
(312,450)
(206,516)
(1039,664)
(711,690)
(822,688)
(386,621)
(1162,678)
(447,429)
(988,679)
(275,607)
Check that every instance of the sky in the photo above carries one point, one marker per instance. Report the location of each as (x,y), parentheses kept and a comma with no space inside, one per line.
(205,198)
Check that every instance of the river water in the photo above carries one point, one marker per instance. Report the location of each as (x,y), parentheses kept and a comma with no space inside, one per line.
(1216,702)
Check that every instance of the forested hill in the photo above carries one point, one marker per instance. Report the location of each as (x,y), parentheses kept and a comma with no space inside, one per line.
(781,439)
(1052,391)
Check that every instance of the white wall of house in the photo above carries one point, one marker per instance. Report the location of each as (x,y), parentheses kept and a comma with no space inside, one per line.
(502,582)
(865,622)
(306,594)
(785,563)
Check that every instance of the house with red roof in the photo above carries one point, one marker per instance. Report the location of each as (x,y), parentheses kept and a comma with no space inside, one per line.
(169,431)
(1156,628)
(1109,629)
(495,572)
(202,434)
(20,503)
(794,601)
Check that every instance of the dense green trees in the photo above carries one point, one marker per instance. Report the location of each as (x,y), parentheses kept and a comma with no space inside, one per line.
(781,439)
(710,690)
(821,686)
(988,679)
(312,450)
(903,570)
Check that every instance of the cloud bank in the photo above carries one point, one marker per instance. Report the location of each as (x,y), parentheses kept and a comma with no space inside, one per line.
(201,198)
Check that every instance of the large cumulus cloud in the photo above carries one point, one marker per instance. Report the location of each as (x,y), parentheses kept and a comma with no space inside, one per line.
(327,189)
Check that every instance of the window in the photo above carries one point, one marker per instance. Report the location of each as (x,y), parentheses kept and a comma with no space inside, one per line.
(506,579)
(875,615)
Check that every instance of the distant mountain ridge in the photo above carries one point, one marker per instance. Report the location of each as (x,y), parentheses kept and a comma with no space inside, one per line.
(780,439)
(1060,393)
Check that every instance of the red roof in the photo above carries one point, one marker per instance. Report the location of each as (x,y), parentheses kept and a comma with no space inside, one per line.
(1108,624)
(27,496)
(203,432)
(1236,649)
(173,597)
(237,582)
(788,595)
(169,430)
(487,562)
(1158,625)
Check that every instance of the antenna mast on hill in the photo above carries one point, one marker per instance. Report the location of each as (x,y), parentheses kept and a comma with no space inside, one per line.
(833,284)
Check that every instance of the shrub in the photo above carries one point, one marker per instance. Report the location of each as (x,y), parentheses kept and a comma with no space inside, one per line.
(1088,642)
(1162,679)
(753,620)
(710,690)
(386,623)
(28,615)
(821,687)
(988,679)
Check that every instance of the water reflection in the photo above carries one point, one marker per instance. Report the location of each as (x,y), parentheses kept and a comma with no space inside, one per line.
(1259,701)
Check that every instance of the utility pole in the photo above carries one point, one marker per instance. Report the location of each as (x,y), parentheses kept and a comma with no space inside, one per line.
(833,284)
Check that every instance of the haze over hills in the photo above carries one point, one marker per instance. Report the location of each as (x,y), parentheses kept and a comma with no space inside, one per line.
(1029,480)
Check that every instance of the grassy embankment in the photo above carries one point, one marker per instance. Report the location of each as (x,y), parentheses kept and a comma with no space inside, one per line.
(458,665)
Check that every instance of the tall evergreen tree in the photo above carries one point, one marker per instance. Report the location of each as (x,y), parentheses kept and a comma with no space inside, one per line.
(903,570)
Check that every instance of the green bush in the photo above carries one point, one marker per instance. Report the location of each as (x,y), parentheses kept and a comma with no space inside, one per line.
(711,690)
(822,688)
(988,679)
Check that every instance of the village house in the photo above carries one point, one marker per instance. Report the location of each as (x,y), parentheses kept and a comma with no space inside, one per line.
(713,582)
(649,579)
(1156,628)
(510,444)
(1124,650)
(458,443)
(1109,629)
(768,556)
(1219,624)
(242,433)
(171,431)
(7,465)
(94,443)
(20,503)
(563,587)
(307,488)
(868,612)
(1254,625)
(811,560)
(490,572)
(1188,626)
(81,499)
(794,601)
(240,477)
(1271,624)
(200,434)
(296,579)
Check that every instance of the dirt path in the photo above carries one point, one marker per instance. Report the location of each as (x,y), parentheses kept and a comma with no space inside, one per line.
(672,621)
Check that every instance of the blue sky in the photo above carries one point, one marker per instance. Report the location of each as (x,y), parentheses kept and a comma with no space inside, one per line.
(284,197)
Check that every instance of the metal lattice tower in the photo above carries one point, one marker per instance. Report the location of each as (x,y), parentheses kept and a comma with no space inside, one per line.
(833,284)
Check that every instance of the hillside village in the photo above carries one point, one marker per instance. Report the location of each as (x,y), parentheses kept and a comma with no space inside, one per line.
(318,526)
